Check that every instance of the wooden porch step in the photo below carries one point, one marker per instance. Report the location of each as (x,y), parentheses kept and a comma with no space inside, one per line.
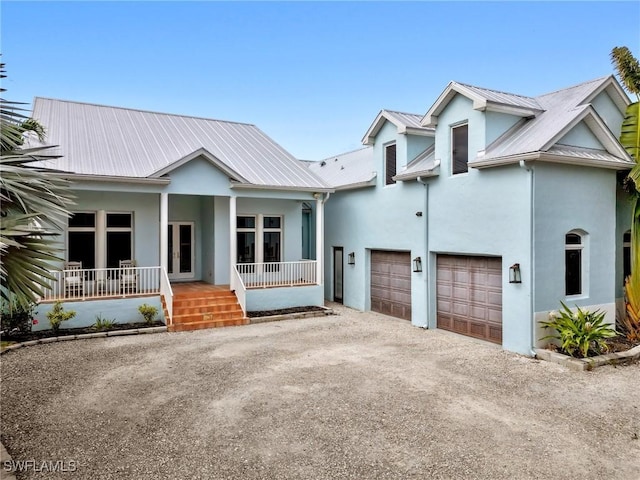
(184,327)
(204,301)
(198,306)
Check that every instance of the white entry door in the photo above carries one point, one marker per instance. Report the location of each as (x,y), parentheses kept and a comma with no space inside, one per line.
(181,250)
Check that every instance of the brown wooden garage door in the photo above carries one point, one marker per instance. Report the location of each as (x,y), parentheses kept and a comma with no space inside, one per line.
(391,283)
(469,292)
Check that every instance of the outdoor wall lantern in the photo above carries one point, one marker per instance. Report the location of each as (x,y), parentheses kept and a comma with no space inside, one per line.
(514,273)
(417,264)
(352,258)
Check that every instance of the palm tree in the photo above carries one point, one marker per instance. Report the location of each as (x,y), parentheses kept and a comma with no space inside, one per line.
(628,71)
(33,207)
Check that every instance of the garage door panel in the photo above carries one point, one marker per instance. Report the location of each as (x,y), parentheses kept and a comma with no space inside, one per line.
(469,296)
(391,283)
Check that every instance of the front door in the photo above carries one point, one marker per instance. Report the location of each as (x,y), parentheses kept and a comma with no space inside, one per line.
(181,250)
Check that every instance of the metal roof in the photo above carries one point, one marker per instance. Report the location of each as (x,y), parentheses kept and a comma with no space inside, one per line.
(350,169)
(503,98)
(424,165)
(562,110)
(404,122)
(121,142)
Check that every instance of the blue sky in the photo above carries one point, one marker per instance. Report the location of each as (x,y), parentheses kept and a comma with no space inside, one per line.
(311,75)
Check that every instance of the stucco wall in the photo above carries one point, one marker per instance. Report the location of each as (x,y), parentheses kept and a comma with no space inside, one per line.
(287,297)
(569,198)
(122,310)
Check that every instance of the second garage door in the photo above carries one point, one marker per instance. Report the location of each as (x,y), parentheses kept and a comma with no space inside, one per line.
(391,283)
(469,292)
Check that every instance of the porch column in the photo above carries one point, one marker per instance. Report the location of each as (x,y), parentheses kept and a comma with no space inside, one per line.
(164,231)
(233,242)
(320,238)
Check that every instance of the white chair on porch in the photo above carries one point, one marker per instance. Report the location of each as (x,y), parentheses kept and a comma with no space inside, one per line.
(73,279)
(128,277)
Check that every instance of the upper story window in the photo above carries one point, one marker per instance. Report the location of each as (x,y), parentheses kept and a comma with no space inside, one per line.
(460,149)
(626,254)
(573,261)
(390,164)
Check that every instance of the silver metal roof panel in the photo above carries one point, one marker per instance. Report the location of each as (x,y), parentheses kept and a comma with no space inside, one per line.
(115,141)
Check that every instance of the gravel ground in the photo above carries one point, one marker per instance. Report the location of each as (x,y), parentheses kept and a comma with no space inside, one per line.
(357,395)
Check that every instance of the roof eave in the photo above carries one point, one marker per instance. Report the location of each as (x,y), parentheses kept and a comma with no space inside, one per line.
(77,177)
(353,186)
(285,188)
(550,158)
(201,152)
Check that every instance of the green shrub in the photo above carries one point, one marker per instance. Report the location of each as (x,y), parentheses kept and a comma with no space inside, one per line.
(148,312)
(16,318)
(103,323)
(57,315)
(579,332)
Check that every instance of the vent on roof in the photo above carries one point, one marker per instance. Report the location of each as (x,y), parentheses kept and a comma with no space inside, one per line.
(323,163)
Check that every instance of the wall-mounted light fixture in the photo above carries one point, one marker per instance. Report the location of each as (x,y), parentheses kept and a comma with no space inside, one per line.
(514,273)
(418,214)
(417,264)
(351,259)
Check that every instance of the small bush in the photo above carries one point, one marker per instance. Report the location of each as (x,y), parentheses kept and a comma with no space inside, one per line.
(57,315)
(579,332)
(16,319)
(148,312)
(103,324)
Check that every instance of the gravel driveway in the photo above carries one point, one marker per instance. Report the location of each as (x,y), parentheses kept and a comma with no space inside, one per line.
(357,395)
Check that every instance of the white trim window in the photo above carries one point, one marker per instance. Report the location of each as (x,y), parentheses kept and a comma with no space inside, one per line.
(119,238)
(574,263)
(268,228)
(460,149)
(100,239)
(390,164)
(81,239)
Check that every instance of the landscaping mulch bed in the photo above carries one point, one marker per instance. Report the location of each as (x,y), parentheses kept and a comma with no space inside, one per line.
(284,311)
(25,337)
(619,343)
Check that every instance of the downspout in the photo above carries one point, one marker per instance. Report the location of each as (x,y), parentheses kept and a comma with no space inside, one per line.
(426,248)
(529,169)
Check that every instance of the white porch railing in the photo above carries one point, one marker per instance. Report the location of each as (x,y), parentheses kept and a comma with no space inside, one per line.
(82,284)
(282,274)
(240,290)
(167,292)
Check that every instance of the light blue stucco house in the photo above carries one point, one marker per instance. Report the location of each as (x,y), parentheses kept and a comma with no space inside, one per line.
(163,199)
(483,214)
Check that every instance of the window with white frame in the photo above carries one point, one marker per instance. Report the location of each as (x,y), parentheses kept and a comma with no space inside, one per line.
(574,263)
(390,165)
(460,149)
(119,234)
(81,239)
(265,227)
(85,231)
(626,254)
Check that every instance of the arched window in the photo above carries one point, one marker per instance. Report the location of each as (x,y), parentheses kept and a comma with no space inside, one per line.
(573,263)
(626,254)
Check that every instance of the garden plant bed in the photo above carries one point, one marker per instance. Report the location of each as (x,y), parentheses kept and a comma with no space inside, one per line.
(64,332)
(285,311)
(620,351)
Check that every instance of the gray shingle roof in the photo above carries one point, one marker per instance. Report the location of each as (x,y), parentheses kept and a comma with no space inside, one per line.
(113,141)
(348,169)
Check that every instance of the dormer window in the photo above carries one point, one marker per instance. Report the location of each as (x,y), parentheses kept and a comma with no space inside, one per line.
(460,149)
(390,164)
